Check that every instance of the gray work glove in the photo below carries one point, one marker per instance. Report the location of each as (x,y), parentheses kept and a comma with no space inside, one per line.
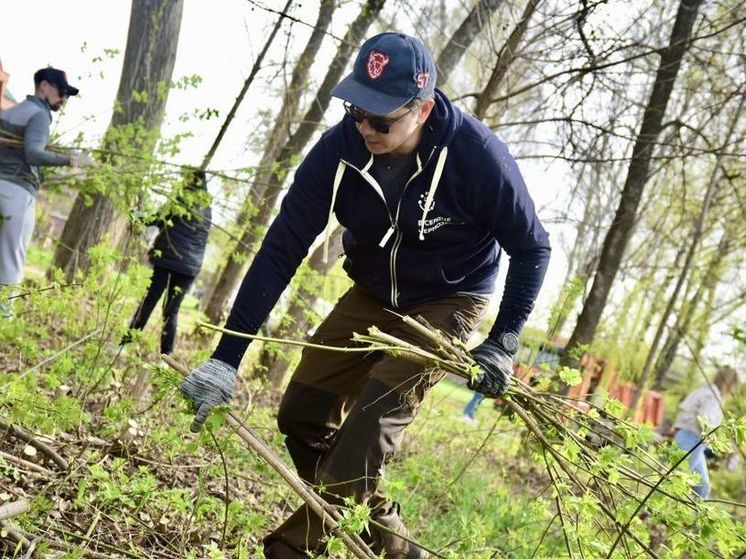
(82,159)
(207,386)
(495,369)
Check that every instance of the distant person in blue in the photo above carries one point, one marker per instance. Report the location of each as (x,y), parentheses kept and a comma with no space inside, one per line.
(429,199)
(704,405)
(176,256)
(470,411)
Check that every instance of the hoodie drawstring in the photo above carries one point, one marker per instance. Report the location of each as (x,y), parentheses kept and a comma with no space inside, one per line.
(330,221)
(433,187)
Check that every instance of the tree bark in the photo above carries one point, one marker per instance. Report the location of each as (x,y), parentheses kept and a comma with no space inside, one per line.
(682,326)
(697,232)
(504,58)
(291,149)
(214,304)
(621,229)
(462,38)
(149,59)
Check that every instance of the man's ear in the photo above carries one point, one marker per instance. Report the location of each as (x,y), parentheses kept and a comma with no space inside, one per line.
(425,110)
(43,87)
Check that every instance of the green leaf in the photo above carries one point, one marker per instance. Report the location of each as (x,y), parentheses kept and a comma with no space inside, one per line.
(614,407)
(570,376)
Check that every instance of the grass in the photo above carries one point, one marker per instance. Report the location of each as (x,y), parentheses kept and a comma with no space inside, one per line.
(467,490)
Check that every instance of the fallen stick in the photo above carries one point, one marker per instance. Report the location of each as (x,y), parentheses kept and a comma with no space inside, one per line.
(9,510)
(25,464)
(325,511)
(44,448)
(26,541)
(64,350)
(14,535)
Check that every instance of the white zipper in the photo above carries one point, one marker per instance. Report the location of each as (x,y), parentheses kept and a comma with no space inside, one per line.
(399,236)
(393,219)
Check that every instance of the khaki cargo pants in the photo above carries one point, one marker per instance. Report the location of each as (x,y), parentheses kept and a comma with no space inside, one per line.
(343,413)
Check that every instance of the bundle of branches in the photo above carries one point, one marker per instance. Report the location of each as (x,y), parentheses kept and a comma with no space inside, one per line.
(616,492)
(596,462)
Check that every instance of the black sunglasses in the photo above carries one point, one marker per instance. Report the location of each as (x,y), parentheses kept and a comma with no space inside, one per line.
(377,123)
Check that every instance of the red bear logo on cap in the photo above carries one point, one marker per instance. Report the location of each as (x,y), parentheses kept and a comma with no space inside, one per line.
(377,61)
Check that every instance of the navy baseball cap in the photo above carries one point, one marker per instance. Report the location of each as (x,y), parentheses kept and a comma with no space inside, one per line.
(390,70)
(56,77)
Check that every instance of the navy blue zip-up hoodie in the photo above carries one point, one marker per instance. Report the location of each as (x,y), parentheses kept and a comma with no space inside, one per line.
(466,200)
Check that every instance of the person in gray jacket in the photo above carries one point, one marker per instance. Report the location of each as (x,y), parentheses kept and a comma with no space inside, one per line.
(24,135)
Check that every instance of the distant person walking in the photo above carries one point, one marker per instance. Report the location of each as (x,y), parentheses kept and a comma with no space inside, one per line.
(176,256)
(704,404)
(24,135)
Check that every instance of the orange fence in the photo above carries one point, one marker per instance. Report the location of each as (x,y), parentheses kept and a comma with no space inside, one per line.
(599,372)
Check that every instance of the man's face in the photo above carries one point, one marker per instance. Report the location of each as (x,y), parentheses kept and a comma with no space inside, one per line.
(51,94)
(405,129)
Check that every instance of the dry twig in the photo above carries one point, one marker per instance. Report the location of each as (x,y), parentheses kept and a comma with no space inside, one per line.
(9,510)
(42,447)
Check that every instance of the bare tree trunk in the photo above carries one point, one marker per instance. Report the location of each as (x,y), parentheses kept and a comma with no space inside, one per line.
(463,37)
(701,330)
(287,154)
(687,312)
(696,236)
(504,58)
(583,256)
(621,229)
(247,83)
(149,59)
(214,303)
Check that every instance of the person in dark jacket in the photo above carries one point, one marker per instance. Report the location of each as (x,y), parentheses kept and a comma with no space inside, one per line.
(429,198)
(176,257)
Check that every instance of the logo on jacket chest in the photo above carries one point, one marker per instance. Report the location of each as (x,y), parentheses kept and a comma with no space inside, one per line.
(433,222)
(421,202)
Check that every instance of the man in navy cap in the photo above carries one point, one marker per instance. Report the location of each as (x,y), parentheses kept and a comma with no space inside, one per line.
(429,198)
(24,135)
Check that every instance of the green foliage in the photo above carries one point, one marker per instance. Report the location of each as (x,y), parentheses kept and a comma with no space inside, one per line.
(739,334)
(570,293)
(476,491)
(570,376)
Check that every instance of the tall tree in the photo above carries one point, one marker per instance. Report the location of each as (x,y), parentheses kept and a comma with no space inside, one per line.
(288,153)
(698,230)
(621,228)
(149,59)
(275,137)
(682,325)
(464,35)
(504,58)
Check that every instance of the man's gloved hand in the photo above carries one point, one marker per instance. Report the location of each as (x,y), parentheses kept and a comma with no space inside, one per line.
(82,159)
(496,368)
(209,384)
